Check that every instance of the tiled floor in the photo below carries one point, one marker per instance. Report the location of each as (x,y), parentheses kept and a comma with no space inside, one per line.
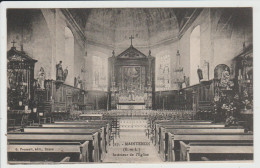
(132,147)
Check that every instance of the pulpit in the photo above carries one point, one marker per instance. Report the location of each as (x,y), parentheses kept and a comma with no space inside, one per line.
(131,80)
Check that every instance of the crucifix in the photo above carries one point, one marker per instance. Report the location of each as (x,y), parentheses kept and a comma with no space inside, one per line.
(13,42)
(131,39)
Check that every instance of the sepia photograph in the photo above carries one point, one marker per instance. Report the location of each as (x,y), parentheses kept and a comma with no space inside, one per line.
(129,85)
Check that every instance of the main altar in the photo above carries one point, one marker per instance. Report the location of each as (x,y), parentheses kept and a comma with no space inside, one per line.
(131,80)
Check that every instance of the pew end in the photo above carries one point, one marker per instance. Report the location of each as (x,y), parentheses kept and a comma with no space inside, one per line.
(193,151)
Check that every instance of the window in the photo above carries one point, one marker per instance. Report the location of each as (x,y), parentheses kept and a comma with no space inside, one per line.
(194,55)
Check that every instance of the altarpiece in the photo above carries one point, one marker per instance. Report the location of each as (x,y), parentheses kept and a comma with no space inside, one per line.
(131,80)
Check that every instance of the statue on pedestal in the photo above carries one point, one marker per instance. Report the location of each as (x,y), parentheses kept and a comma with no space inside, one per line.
(59,71)
(41,78)
(200,75)
(79,82)
(75,82)
(225,81)
(65,73)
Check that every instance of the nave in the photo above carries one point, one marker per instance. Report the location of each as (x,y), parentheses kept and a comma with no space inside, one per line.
(137,138)
(129,85)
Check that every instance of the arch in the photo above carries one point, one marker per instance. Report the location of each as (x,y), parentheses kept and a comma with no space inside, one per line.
(194,54)
(69,55)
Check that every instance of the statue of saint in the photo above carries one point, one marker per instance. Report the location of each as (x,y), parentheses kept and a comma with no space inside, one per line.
(225,79)
(59,71)
(225,75)
(65,73)
(75,82)
(200,75)
(150,53)
(113,53)
(41,78)
(78,82)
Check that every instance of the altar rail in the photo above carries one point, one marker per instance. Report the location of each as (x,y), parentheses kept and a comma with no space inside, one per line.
(156,114)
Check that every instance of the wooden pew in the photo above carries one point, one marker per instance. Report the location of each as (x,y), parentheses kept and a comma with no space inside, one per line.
(89,153)
(95,122)
(152,125)
(41,151)
(80,124)
(191,150)
(105,135)
(172,142)
(82,121)
(155,128)
(162,141)
(181,125)
(99,148)
(64,160)
(181,121)
(90,122)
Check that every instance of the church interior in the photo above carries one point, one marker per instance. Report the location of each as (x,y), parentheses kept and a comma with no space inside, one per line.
(129,85)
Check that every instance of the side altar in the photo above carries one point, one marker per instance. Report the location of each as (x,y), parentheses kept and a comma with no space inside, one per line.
(131,80)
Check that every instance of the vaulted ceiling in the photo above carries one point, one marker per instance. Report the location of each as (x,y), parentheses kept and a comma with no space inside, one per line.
(114,26)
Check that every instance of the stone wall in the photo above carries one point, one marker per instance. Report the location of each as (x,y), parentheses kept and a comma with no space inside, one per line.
(223,32)
(42,33)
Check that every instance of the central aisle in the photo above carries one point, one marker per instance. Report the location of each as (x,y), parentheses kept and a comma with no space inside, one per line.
(132,147)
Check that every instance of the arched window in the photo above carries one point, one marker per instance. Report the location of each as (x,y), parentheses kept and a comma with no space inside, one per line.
(163,81)
(194,55)
(69,56)
(100,66)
